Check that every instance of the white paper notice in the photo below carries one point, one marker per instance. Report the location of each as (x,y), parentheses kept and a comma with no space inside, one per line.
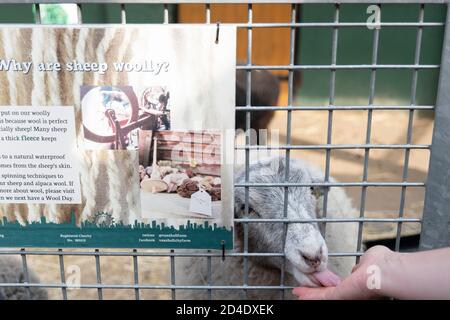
(201,203)
(37,155)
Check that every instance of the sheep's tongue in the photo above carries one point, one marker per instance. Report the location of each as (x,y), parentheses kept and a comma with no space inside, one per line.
(327,278)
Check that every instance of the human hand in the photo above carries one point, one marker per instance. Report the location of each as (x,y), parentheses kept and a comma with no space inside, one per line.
(354,287)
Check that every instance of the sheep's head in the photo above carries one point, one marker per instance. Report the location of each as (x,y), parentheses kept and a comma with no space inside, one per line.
(305,247)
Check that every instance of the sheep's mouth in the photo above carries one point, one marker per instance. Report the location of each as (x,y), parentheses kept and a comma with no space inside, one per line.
(313,280)
(324,278)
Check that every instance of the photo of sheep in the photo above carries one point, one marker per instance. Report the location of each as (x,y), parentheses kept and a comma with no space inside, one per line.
(112,115)
(180,174)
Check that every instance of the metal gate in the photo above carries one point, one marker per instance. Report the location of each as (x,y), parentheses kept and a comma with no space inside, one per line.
(435,225)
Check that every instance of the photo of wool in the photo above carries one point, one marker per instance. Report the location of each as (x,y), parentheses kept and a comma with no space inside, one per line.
(110,179)
(176,169)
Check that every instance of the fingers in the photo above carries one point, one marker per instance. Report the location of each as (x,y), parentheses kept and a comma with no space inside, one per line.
(348,289)
(355,267)
(305,293)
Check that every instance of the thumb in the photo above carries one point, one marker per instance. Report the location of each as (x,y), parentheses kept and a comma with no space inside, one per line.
(356,267)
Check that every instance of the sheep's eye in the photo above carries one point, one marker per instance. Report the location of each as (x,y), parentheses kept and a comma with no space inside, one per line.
(250,210)
(315,192)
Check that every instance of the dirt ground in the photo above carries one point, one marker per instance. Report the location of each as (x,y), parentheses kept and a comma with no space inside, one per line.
(114,271)
(308,127)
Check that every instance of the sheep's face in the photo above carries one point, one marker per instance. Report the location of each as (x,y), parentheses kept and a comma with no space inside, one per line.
(305,248)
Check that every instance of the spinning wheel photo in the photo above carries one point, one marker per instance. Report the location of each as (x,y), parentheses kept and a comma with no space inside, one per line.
(156,100)
(112,115)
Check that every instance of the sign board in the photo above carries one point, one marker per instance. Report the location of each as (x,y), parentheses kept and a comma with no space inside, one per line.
(117,137)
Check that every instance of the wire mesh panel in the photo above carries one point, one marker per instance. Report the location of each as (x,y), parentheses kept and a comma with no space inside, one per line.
(143,274)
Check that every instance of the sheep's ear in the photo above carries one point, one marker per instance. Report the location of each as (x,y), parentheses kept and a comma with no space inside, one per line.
(239,209)
(317,177)
(318,191)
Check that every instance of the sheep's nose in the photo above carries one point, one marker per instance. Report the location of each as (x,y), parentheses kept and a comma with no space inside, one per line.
(313,261)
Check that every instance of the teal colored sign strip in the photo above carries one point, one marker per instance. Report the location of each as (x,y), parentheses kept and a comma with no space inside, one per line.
(91,235)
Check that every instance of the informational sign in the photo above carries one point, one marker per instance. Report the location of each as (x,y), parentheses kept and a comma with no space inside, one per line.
(38,163)
(117,137)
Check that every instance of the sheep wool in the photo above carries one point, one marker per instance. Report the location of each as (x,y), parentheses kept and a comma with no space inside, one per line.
(107,182)
(12,272)
(268,202)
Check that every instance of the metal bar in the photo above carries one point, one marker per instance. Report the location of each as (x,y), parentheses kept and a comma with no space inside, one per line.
(376,36)
(136,273)
(37,14)
(79,14)
(172,274)
(225,1)
(340,67)
(324,108)
(199,255)
(336,146)
(208,258)
(123,14)
(209,279)
(288,141)
(339,25)
(332,184)
(310,25)
(99,275)
(25,271)
(208,13)
(328,220)
(60,257)
(166,14)
(143,287)
(436,218)
(62,274)
(248,138)
(410,126)
(326,25)
(334,46)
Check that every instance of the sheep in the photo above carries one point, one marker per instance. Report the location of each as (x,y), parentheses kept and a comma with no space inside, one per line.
(305,248)
(11,271)
(265,92)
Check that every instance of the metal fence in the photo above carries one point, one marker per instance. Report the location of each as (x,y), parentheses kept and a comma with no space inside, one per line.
(436,219)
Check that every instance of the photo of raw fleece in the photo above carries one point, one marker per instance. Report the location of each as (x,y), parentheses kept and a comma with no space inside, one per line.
(112,115)
(180,174)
